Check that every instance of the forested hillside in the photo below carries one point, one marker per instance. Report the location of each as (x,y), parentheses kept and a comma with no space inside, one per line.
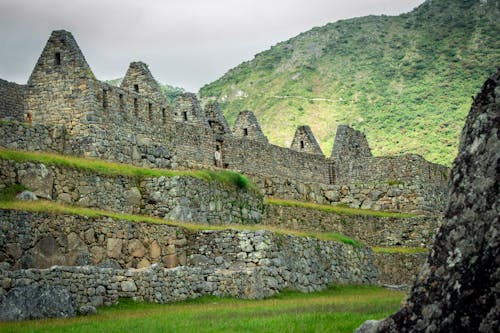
(406,81)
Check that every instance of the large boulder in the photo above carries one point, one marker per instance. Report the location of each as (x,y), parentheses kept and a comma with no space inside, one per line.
(36,301)
(458,289)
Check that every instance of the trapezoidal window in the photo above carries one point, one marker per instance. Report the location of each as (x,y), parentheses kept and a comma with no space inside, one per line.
(163,115)
(301,144)
(185,115)
(120,98)
(136,107)
(104,98)
(150,111)
(57,58)
(245,131)
(136,87)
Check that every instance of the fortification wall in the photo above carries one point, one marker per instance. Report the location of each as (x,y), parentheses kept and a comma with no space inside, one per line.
(243,264)
(177,198)
(416,231)
(12,100)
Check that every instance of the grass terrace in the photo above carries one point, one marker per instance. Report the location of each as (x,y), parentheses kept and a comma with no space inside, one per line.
(339,309)
(341,210)
(119,169)
(42,206)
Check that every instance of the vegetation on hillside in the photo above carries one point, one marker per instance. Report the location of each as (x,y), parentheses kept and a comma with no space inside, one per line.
(338,309)
(406,81)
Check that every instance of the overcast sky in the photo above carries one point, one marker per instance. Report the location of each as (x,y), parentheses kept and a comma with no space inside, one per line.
(187,43)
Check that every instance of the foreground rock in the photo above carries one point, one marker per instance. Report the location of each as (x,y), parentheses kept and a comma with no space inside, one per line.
(458,289)
(36,301)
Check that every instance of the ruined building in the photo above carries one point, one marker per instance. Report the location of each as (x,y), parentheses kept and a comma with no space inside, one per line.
(72,112)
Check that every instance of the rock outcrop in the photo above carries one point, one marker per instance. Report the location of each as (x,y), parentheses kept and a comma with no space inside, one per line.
(458,288)
(36,301)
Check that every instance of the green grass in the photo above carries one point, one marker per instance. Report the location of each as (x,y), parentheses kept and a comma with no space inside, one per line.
(42,206)
(338,309)
(341,210)
(127,170)
(400,249)
(9,192)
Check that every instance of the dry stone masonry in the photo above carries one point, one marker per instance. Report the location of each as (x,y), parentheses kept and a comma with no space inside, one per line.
(81,262)
(166,263)
(74,113)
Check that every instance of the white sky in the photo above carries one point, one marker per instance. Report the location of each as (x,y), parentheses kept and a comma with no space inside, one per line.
(187,43)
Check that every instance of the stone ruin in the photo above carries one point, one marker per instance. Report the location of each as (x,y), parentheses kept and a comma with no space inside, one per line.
(458,288)
(72,112)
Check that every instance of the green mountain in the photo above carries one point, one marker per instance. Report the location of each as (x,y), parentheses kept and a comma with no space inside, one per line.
(406,80)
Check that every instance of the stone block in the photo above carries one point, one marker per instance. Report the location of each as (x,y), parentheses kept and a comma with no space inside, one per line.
(114,248)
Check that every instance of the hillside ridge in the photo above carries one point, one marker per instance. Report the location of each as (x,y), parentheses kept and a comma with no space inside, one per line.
(404,80)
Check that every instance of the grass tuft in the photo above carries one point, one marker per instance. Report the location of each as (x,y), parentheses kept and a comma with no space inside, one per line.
(9,192)
(341,210)
(401,250)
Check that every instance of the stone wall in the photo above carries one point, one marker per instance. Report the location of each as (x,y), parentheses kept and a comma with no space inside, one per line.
(399,268)
(413,197)
(11,101)
(134,124)
(304,141)
(404,168)
(302,263)
(416,231)
(262,159)
(39,240)
(176,198)
(243,264)
(350,144)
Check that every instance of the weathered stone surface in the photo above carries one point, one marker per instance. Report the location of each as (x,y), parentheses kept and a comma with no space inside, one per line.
(26,196)
(154,250)
(114,247)
(136,248)
(128,286)
(457,291)
(47,253)
(38,178)
(36,301)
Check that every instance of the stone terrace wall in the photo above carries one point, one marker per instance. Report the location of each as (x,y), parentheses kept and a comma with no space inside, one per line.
(416,231)
(176,198)
(40,240)
(399,197)
(244,264)
(302,263)
(399,268)
(276,177)
(404,168)
(11,100)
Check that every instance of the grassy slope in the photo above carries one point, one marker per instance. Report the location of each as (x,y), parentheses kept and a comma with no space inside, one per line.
(405,81)
(120,169)
(339,309)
